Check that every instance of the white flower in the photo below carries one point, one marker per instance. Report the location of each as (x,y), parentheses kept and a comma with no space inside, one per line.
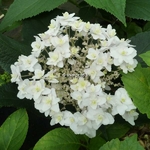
(37,89)
(28,62)
(126,67)
(55,58)
(48,103)
(65,52)
(100,117)
(86,27)
(79,97)
(92,54)
(109,61)
(53,28)
(61,41)
(50,77)
(123,102)
(130,116)
(109,102)
(97,32)
(94,89)
(46,38)
(57,117)
(94,73)
(94,101)
(74,50)
(106,44)
(91,72)
(69,119)
(74,80)
(72,120)
(83,125)
(122,54)
(77,25)
(82,84)
(37,46)
(110,32)
(71,75)
(66,18)
(38,74)
(23,87)
(103,61)
(15,76)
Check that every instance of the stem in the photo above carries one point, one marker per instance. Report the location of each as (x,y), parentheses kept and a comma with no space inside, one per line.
(46,51)
(26,75)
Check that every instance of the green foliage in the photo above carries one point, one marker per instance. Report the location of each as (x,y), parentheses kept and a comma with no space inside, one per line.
(59,138)
(8,97)
(146,27)
(112,145)
(13,131)
(132,29)
(96,143)
(129,143)
(117,8)
(142,44)
(20,10)
(34,16)
(38,24)
(146,57)
(138,86)
(10,50)
(116,130)
(87,13)
(138,9)
(4,78)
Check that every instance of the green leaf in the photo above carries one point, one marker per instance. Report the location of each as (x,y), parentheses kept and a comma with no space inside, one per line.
(142,43)
(87,13)
(132,29)
(116,130)
(24,9)
(146,57)
(2,82)
(115,7)
(58,139)
(138,9)
(112,145)
(10,50)
(130,143)
(13,131)
(137,84)
(96,143)
(8,97)
(38,24)
(146,27)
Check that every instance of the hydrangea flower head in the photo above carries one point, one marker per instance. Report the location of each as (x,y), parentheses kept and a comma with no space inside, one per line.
(71,72)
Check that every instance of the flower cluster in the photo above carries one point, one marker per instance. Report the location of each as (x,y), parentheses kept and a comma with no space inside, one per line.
(72,74)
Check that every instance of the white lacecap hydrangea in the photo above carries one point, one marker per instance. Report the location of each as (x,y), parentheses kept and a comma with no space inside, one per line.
(71,74)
